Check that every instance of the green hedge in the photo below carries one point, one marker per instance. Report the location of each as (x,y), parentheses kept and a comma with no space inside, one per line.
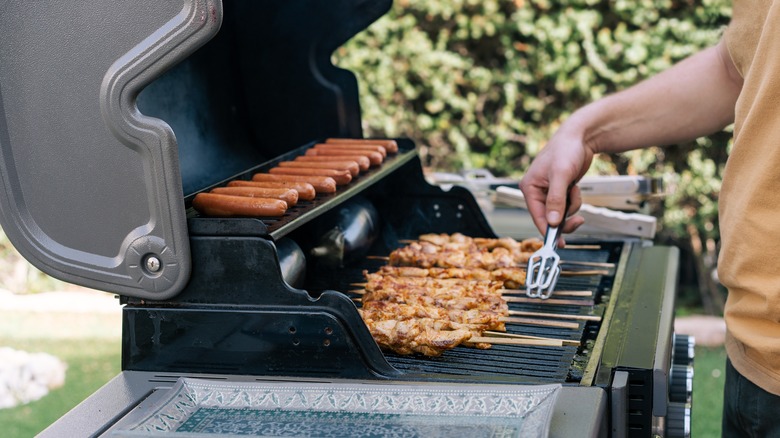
(484,83)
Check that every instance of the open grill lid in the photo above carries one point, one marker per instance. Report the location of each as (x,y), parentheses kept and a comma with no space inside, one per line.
(109,117)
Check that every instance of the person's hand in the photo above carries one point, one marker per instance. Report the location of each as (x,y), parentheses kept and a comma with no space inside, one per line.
(552,177)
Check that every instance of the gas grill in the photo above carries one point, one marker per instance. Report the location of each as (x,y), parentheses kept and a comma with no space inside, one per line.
(146,105)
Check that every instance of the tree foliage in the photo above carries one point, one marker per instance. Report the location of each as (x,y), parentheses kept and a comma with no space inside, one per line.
(485,83)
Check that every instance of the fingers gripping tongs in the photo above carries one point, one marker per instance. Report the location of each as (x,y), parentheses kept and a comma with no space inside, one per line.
(544,266)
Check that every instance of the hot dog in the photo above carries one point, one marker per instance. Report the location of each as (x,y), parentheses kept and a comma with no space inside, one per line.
(289,196)
(390,145)
(353,147)
(322,184)
(341,177)
(363,162)
(374,157)
(350,166)
(305,191)
(213,204)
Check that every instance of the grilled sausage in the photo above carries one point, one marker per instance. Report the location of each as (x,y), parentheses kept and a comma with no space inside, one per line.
(363,162)
(321,184)
(351,166)
(374,157)
(213,204)
(353,147)
(390,145)
(289,196)
(305,191)
(342,177)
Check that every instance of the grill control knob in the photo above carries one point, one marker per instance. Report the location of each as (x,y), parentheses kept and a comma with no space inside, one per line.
(681,383)
(683,349)
(678,421)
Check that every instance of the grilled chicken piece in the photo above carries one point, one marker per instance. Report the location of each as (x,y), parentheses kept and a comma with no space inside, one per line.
(423,335)
(474,318)
(424,254)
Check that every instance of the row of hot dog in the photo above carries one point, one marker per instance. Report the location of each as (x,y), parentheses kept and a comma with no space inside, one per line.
(323,168)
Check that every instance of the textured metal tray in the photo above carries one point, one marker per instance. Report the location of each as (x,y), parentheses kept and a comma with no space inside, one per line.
(195,407)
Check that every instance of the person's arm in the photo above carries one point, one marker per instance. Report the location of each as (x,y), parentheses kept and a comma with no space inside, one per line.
(693,98)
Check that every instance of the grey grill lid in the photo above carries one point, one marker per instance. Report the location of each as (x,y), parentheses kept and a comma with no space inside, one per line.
(90,189)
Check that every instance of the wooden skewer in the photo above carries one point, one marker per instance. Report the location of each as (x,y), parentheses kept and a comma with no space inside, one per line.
(539,322)
(565,273)
(582,247)
(525,321)
(455,281)
(583,273)
(551,301)
(593,264)
(408,241)
(556,315)
(563,262)
(560,293)
(506,341)
(510,292)
(491,333)
(526,300)
(572,293)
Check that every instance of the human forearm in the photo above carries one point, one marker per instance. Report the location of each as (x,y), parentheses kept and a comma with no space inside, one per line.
(694,98)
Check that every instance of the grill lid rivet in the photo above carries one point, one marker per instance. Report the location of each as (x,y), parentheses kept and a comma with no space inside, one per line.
(153,264)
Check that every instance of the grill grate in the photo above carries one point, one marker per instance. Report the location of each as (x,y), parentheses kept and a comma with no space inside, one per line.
(529,364)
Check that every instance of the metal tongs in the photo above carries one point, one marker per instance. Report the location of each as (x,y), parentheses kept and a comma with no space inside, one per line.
(544,266)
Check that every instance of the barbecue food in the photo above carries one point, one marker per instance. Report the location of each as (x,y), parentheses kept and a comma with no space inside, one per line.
(442,290)
(305,191)
(374,157)
(400,312)
(513,278)
(527,245)
(212,204)
(289,196)
(390,145)
(423,335)
(477,319)
(363,162)
(353,147)
(342,177)
(380,280)
(321,184)
(351,166)
(459,251)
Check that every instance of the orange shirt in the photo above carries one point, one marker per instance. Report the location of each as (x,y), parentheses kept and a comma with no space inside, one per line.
(749,204)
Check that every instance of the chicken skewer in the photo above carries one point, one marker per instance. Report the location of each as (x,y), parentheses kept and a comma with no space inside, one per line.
(385,276)
(447,290)
(426,255)
(469,244)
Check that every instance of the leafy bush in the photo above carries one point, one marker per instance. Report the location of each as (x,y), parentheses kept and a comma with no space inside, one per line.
(484,83)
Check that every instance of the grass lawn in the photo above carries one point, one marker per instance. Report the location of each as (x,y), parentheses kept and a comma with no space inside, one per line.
(91,363)
(709,376)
